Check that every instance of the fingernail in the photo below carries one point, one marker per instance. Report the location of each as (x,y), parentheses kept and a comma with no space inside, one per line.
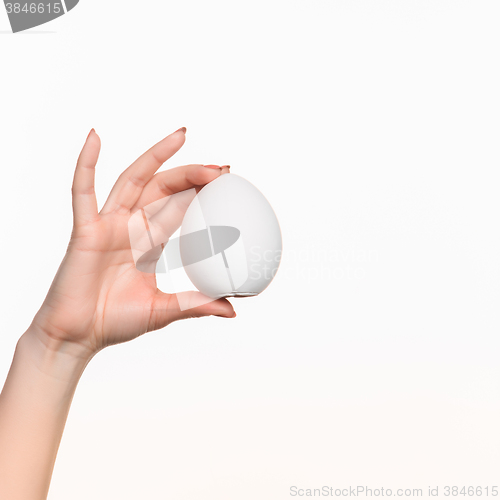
(212,166)
(90,133)
(182,129)
(234,315)
(227,166)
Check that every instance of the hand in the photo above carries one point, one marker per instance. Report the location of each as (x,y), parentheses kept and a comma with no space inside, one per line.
(98,296)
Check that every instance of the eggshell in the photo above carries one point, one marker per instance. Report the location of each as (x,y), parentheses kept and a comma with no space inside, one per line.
(249,264)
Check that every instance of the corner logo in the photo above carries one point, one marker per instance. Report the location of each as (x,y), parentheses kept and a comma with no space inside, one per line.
(26,15)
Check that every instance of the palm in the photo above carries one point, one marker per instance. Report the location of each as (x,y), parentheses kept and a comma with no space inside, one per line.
(99,297)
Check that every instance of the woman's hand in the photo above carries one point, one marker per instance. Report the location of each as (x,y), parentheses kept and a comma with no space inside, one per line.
(98,296)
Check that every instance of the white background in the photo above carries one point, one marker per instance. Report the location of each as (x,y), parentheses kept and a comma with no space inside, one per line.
(373,129)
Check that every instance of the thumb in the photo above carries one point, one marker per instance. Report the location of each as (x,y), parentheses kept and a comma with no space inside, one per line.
(183,305)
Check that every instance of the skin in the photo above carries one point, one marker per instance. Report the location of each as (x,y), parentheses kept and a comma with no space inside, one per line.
(98,298)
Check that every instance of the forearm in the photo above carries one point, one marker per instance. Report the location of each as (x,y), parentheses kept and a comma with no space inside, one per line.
(34,406)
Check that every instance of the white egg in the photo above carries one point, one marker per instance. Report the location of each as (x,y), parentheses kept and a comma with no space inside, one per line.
(230,239)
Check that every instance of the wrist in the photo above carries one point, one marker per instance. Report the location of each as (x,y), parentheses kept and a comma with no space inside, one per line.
(62,360)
